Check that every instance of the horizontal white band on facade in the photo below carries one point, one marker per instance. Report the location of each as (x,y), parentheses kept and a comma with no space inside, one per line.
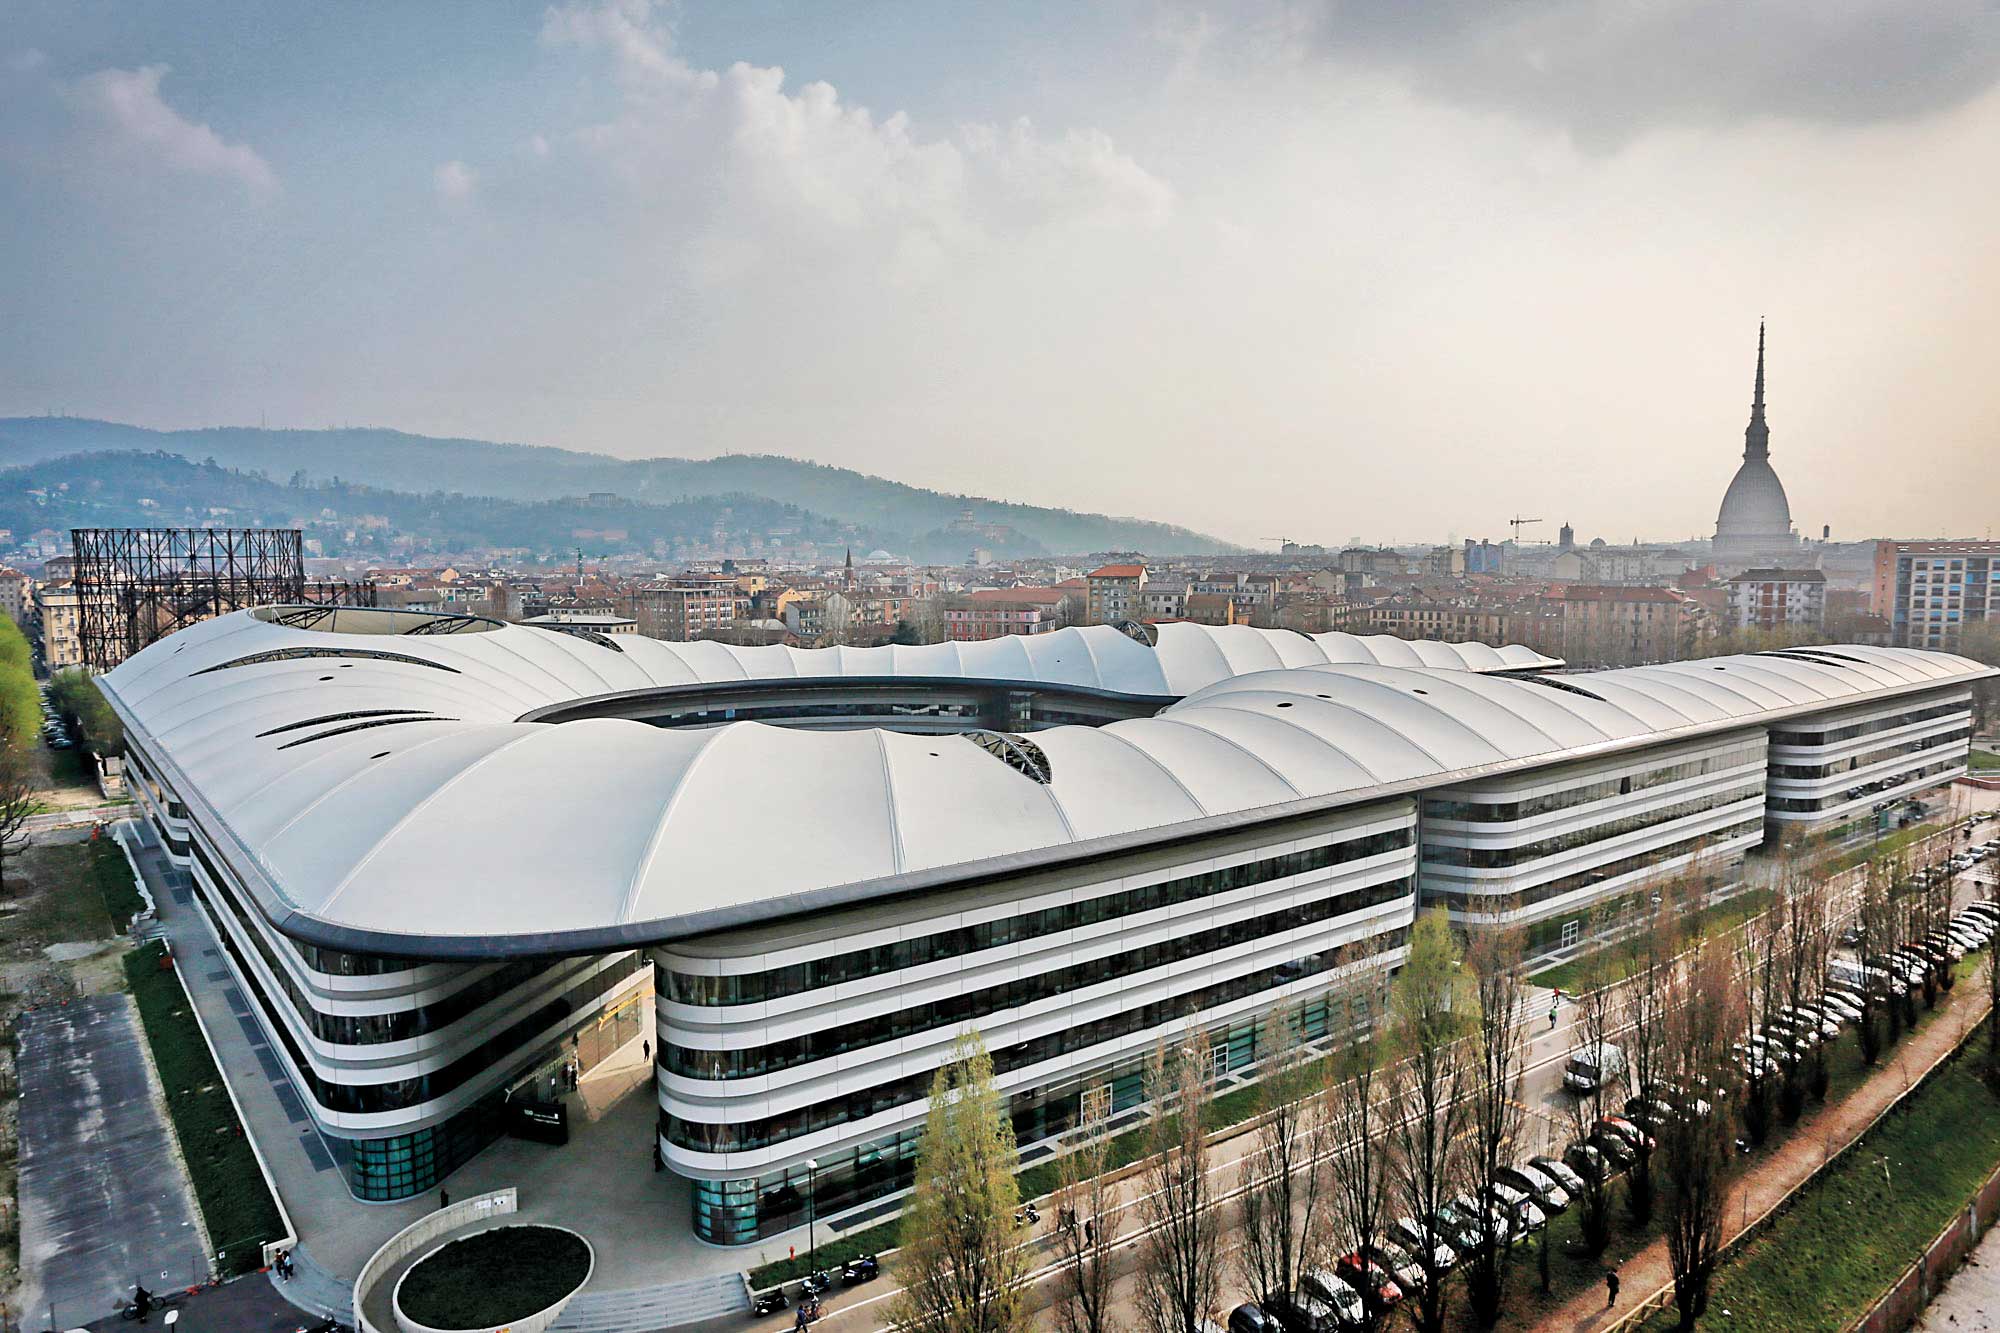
(1069,1066)
(758,1096)
(1100,939)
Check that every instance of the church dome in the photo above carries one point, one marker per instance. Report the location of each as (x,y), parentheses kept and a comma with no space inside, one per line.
(1755,521)
(1755,504)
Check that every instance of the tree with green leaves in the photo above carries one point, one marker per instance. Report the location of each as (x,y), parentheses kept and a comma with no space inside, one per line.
(74,695)
(17,802)
(961,1266)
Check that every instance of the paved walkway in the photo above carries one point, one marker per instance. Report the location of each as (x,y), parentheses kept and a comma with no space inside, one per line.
(1970,1302)
(1816,1139)
(104,1200)
(601,1184)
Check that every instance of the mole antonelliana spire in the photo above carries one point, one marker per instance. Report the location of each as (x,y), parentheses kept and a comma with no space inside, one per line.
(1754,526)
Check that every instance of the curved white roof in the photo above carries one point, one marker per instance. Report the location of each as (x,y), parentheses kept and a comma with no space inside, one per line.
(394,803)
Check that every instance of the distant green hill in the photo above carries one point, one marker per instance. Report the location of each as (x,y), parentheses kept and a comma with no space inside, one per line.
(158,489)
(906,519)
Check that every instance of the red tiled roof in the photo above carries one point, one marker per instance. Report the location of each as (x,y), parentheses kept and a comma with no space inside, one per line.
(1118,572)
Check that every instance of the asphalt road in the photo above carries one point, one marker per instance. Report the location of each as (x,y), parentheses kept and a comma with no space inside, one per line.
(104,1202)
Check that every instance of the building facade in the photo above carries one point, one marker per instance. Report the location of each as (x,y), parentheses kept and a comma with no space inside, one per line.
(1778,599)
(1078,843)
(59,624)
(1115,593)
(1930,591)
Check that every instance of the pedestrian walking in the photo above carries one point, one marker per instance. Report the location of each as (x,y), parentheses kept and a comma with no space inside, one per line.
(1553,1005)
(646,1050)
(1610,1288)
(444,1199)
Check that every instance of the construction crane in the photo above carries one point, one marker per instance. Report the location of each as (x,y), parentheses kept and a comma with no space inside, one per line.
(1517,523)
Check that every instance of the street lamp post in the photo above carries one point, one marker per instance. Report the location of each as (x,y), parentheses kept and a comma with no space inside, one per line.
(812,1219)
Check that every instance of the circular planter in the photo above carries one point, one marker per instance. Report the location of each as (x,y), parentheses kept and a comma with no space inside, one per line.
(495,1281)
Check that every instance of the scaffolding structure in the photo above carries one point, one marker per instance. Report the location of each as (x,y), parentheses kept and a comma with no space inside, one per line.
(137,585)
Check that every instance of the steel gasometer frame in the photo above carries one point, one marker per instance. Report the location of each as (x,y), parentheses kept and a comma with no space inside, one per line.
(138,585)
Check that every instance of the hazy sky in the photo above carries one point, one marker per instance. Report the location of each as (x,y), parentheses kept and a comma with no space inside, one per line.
(1310,270)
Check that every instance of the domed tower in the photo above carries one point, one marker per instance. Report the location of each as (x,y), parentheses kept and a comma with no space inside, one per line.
(1754,526)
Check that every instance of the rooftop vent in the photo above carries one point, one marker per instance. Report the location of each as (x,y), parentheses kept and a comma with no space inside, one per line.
(1017,752)
(362,726)
(411,713)
(296,654)
(1563,685)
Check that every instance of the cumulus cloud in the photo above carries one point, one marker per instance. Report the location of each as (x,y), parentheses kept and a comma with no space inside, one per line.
(741,155)
(454,181)
(124,116)
(1607,70)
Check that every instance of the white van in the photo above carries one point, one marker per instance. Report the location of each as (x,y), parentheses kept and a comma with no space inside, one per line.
(1591,1068)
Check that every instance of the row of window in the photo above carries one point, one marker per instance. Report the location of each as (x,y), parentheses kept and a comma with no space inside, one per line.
(968,1008)
(1501,811)
(1501,858)
(1806,805)
(369,1029)
(1869,728)
(797,978)
(1504,897)
(402,1094)
(1848,765)
(741,1136)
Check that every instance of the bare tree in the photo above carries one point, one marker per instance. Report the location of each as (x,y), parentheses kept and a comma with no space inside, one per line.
(1431,1007)
(1593,1026)
(17,801)
(1696,1151)
(1759,957)
(961,1267)
(1869,927)
(1500,1045)
(1287,1208)
(1180,1251)
(1642,999)
(1359,1116)
(1087,1224)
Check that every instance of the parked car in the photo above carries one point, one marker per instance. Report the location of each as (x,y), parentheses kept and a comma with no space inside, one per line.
(1590,1160)
(1549,1196)
(1251,1317)
(1633,1135)
(1338,1296)
(1377,1285)
(1460,1229)
(1414,1236)
(1593,1067)
(1559,1171)
(1520,1208)
(1300,1311)
(1615,1148)
(1401,1264)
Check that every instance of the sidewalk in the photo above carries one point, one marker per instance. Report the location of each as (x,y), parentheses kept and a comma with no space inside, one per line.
(1813,1142)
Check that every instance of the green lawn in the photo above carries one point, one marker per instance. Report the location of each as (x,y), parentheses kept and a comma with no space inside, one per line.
(111,873)
(495,1278)
(227,1183)
(1985,761)
(1725,915)
(1849,1236)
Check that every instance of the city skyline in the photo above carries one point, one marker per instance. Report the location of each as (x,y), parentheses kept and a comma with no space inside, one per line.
(1377,259)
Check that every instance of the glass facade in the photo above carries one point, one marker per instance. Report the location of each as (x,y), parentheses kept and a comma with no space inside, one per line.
(970,1007)
(737,1212)
(775,983)
(1497,858)
(1502,809)
(402,1165)
(767,1131)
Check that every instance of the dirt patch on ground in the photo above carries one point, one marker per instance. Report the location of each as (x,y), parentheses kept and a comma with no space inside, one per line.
(56,945)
